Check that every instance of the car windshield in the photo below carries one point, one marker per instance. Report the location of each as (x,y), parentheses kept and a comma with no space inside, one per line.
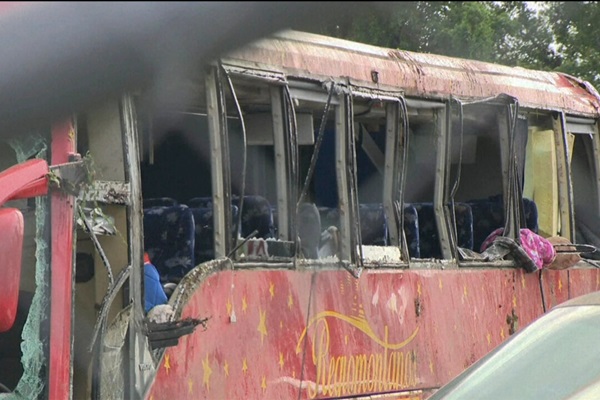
(557,357)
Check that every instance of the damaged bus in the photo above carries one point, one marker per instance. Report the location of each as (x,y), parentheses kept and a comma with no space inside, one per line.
(316,215)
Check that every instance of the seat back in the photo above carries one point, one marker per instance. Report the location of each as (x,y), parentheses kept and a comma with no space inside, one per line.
(159,202)
(204,249)
(464,225)
(200,202)
(488,215)
(169,240)
(411,230)
(329,217)
(256,215)
(309,230)
(428,232)
(531,215)
(373,225)
(374,228)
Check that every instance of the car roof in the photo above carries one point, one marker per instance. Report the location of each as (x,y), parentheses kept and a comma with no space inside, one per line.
(590,299)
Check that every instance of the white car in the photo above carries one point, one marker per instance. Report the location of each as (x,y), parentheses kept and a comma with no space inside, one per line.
(557,357)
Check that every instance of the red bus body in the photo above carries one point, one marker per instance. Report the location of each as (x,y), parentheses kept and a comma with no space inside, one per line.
(291,328)
(388,332)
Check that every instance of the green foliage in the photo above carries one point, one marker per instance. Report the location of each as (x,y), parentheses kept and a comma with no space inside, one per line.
(561,36)
(577,33)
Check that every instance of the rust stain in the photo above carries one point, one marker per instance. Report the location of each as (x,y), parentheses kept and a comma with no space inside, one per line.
(427,75)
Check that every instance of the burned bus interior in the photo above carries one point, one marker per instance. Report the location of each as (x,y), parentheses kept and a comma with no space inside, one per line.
(453,183)
(267,168)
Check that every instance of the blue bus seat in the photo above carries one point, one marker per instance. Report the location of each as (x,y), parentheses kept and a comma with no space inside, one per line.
(373,224)
(204,249)
(256,215)
(411,230)
(428,232)
(200,202)
(488,215)
(169,240)
(374,228)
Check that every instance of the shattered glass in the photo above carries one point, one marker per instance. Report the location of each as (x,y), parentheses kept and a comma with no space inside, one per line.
(33,360)
(113,356)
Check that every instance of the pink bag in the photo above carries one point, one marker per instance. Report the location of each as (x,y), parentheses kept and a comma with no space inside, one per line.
(540,250)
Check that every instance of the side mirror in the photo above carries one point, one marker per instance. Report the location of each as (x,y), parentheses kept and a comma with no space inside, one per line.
(11,251)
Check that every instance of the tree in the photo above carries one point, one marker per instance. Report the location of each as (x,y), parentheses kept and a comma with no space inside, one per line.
(577,35)
(509,33)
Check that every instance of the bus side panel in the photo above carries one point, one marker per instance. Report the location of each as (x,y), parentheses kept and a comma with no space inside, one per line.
(389,331)
(582,282)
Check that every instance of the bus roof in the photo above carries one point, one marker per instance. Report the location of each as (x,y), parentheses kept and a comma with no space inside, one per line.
(307,55)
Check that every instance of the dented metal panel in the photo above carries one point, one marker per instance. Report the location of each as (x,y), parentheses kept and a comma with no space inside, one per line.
(418,74)
(319,333)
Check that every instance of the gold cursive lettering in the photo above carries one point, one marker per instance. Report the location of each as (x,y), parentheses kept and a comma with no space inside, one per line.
(343,375)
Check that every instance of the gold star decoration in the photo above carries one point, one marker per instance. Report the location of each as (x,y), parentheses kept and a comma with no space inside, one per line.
(489,338)
(244,365)
(229,307)
(262,325)
(419,288)
(272,289)
(281,362)
(290,301)
(167,363)
(244,304)
(207,372)
(263,384)
(226,368)
(440,283)
(560,285)
(190,386)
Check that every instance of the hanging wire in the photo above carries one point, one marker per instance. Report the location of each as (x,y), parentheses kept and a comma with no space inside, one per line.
(238,223)
(97,244)
(292,172)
